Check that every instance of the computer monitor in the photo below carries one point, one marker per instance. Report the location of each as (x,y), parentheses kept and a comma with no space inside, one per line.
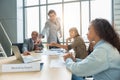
(5,41)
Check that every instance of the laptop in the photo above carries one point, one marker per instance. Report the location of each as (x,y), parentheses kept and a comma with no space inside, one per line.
(25,59)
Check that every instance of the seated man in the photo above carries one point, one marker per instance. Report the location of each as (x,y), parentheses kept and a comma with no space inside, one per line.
(33,43)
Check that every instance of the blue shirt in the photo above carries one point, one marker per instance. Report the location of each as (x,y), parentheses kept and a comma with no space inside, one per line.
(103,63)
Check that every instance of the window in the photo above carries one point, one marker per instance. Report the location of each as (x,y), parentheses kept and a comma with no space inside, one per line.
(101,11)
(31,2)
(42,1)
(71,17)
(54,1)
(72,13)
(69,0)
(85,19)
(32,20)
(43,16)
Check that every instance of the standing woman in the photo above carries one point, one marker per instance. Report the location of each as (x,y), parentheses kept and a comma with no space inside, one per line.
(52,28)
(77,45)
(104,61)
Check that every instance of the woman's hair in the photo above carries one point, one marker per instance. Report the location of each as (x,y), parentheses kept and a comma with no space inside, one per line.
(75,30)
(51,11)
(106,32)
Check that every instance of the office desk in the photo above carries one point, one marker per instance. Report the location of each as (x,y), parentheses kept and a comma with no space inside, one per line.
(47,73)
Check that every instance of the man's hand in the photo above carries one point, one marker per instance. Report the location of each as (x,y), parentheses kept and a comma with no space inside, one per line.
(25,53)
(37,42)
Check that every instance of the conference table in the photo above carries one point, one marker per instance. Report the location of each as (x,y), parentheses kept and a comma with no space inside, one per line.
(53,69)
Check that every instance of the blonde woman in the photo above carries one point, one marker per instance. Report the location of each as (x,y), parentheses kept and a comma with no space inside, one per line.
(77,44)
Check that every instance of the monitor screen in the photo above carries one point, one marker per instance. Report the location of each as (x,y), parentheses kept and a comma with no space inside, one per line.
(5,41)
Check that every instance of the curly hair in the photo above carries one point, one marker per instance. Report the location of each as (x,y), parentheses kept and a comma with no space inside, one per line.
(106,32)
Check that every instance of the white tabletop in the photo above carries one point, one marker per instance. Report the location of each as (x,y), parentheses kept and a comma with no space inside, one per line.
(50,71)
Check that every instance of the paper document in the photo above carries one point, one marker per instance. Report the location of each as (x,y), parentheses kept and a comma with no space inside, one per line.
(57,64)
(53,53)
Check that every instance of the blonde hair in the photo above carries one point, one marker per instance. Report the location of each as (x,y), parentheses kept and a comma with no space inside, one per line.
(75,30)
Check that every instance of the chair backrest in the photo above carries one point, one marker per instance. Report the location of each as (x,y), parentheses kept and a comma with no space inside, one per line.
(20,45)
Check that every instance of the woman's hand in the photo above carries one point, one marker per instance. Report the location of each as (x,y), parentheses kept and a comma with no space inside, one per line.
(69,55)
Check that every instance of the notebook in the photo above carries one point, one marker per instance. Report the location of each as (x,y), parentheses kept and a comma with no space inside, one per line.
(25,59)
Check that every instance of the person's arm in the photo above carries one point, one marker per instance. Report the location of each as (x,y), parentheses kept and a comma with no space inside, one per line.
(45,30)
(96,62)
(25,48)
(25,45)
(59,30)
(58,45)
(62,46)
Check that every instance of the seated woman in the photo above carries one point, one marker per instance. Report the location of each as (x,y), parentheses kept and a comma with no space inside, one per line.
(78,44)
(104,61)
